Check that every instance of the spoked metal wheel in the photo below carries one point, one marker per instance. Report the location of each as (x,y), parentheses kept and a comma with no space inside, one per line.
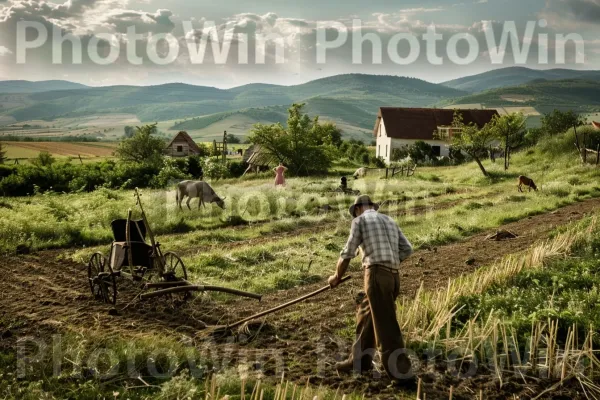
(103,284)
(174,271)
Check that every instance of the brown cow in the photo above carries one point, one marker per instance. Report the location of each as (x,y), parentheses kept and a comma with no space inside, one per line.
(523,180)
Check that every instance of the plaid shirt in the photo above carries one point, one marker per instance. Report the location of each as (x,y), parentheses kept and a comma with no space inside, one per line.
(380,239)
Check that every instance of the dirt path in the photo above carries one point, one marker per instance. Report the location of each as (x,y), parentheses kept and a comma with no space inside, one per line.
(42,292)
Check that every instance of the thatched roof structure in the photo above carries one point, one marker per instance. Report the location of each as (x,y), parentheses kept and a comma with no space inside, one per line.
(257,156)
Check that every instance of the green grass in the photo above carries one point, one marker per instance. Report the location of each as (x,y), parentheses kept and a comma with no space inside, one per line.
(287,240)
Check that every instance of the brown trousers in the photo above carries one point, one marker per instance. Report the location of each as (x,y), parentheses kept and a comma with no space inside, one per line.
(377,325)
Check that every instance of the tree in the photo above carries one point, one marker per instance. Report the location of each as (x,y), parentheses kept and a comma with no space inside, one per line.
(129,131)
(43,159)
(472,140)
(510,130)
(231,138)
(304,146)
(142,147)
(558,122)
(2,154)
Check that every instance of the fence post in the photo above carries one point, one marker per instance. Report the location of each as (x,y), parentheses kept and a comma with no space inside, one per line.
(386,173)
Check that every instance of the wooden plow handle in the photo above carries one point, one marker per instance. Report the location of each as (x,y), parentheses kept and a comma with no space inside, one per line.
(285,305)
(183,287)
(138,201)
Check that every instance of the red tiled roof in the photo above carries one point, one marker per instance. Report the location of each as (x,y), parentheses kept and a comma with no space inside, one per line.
(596,124)
(421,123)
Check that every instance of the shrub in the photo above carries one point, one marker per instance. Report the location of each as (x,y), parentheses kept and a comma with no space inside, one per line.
(236,168)
(43,159)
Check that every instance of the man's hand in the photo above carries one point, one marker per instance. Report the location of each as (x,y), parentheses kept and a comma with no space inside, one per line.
(333,281)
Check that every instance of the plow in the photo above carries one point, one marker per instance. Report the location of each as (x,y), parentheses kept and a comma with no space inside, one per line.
(132,258)
(158,274)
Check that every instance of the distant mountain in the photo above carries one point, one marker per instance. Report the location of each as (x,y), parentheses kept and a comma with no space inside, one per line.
(352,99)
(36,87)
(514,76)
(545,95)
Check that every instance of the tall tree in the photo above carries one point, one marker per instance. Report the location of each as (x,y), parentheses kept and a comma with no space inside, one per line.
(129,131)
(472,140)
(142,147)
(510,130)
(558,121)
(305,145)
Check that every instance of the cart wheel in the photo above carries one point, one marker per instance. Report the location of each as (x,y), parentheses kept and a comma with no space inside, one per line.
(95,266)
(109,285)
(175,271)
(103,284)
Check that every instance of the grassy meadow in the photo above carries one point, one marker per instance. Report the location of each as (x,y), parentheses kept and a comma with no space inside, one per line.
(269,239)
(276,232)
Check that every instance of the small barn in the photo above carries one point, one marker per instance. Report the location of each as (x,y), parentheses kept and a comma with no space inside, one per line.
(182,145)
(258,158)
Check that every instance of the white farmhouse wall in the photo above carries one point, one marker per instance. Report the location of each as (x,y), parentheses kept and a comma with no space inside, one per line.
(385,144)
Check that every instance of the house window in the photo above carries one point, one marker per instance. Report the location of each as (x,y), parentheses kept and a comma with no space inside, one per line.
(378,150)
(386,150)
(179,149)
(436,150)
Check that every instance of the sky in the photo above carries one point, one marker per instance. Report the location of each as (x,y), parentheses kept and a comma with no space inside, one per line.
(229,43)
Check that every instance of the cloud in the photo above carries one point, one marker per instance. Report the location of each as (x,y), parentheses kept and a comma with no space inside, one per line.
(158,22)
(572,15)
(86,17)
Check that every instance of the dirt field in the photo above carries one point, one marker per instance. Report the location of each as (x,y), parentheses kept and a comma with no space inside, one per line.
(53,295)
(60,149)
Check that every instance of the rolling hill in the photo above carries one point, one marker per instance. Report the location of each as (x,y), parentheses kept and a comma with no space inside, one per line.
(351,100)
(36,87)
(514,76)
(174,101)
(576,94)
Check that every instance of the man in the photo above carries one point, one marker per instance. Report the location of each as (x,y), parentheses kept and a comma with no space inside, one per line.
(383,247)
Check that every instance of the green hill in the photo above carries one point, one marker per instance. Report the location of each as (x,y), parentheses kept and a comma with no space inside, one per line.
(514,76)
(175,101)
(576,94)
(20,86)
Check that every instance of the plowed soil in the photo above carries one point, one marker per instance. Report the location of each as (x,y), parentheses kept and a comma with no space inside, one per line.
(46,293)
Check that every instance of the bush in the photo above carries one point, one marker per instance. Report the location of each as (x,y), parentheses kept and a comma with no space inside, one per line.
(378,162)
(43,159)
(215,169)
(236,168)
(564,144)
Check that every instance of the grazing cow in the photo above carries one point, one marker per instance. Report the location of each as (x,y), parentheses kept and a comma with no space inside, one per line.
(199,189)
(360,173)
(523,180)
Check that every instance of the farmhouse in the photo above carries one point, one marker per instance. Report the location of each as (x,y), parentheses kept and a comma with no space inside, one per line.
(396,127)
(182,145)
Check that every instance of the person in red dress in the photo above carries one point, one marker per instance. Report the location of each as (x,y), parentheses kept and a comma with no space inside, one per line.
(279,178)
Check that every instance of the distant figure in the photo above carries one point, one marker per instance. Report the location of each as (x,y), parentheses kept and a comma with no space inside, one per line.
(279,178)
(523,180)
(344,183)
(360,173)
